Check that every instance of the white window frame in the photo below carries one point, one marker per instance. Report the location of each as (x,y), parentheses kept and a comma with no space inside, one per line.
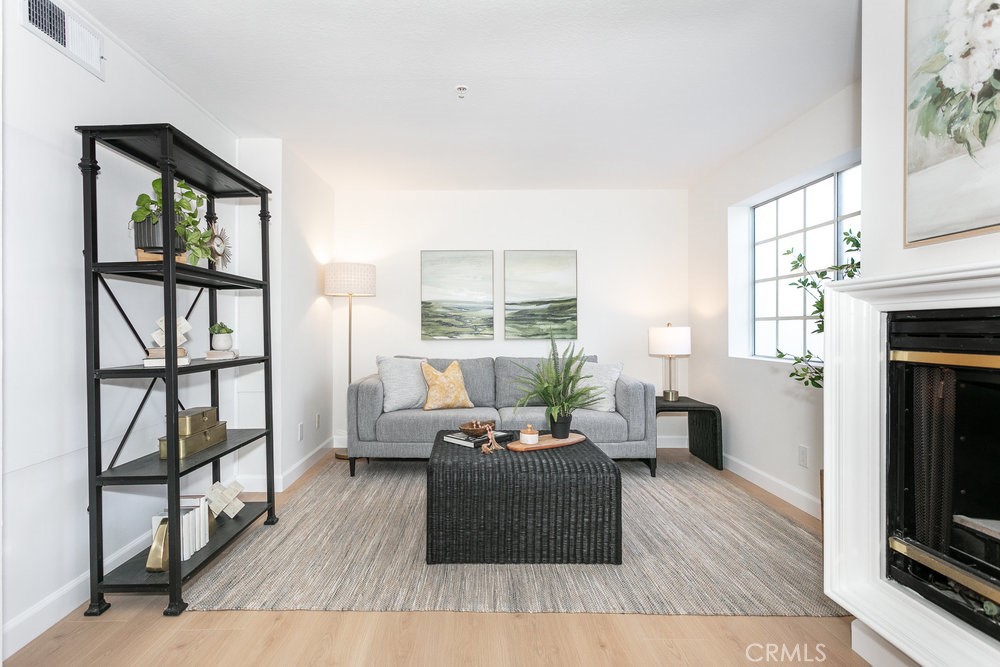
(838,224)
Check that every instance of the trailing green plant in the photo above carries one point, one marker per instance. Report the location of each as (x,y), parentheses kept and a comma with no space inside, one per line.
(808,368)
(219,328)
(187,204)
(556,382)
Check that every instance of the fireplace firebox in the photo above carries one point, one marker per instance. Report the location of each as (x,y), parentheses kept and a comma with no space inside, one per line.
(943,484)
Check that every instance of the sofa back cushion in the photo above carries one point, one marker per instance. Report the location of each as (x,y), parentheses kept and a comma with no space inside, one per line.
(510,375)
(480,381)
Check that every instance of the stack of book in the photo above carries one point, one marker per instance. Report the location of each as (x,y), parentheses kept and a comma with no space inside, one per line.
(219,355)
(156,357)
(195,525)
(459,438)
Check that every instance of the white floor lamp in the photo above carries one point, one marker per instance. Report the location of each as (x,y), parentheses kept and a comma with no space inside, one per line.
(349,279)
(669,342)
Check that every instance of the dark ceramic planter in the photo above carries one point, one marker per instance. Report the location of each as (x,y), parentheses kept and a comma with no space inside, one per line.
(560,427)
(149,237)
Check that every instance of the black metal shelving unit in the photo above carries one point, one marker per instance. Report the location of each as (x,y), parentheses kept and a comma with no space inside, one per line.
(174,156)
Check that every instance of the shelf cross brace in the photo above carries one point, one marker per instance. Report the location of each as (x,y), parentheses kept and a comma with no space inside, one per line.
(121,311)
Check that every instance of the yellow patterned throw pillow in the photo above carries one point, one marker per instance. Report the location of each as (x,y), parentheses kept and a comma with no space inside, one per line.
(447,389)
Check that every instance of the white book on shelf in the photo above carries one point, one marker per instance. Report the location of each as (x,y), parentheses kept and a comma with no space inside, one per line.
(162,363)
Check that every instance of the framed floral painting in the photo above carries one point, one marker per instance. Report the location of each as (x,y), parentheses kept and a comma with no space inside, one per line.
(952,106)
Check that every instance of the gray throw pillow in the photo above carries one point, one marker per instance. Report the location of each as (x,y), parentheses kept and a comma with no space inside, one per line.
(604,377)
(403,385)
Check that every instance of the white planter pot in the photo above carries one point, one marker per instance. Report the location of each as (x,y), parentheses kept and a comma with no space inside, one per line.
(222,341)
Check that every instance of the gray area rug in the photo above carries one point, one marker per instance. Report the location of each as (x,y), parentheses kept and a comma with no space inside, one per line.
(693,543)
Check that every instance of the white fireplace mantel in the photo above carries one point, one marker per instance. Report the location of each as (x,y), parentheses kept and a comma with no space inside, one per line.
(855,456)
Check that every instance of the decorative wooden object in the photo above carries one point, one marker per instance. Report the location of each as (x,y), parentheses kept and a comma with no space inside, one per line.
(547,442)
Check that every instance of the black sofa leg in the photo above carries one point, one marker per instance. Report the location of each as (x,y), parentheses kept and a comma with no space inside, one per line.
(352,461)
(652,466)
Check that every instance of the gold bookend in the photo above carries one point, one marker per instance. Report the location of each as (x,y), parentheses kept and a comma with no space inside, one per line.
(159,555)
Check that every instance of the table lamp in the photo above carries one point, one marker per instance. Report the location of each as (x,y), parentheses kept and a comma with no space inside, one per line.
(669,342)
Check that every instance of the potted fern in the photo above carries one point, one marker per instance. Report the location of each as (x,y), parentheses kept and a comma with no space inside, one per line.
(556,383)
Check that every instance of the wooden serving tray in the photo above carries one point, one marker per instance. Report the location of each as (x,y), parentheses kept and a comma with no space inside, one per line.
(546,442)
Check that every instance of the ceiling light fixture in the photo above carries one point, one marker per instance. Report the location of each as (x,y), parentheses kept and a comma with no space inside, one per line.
(461,90)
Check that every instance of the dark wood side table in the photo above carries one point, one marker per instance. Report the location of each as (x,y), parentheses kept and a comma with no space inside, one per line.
(704,427)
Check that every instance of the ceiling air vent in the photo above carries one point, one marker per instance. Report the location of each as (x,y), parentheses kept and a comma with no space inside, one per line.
(64,30)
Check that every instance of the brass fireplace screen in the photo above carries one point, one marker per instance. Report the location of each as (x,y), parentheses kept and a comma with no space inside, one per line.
(943,473)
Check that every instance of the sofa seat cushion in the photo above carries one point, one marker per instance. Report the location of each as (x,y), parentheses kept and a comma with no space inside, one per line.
(596,425)
(421,426)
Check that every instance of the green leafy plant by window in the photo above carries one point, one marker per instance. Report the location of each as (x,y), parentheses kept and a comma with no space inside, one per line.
(219,328)
(187,203)
(808,368)
(556,382)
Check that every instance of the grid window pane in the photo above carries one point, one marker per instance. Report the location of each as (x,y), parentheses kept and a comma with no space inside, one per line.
(764,221)
(854,225)
(821,248)
(790,337)
(850,191)
(765,262)
(765,340)
(790,212)
(765,301)
(814,341)
(795,243)
(819,202)
(791,299)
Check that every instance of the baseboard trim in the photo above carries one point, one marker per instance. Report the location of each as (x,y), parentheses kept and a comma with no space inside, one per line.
(671,442)
(308,461)
(29,624)
(790,494)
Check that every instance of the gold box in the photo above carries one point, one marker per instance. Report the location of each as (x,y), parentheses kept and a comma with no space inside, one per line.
(191,444)
(195,420)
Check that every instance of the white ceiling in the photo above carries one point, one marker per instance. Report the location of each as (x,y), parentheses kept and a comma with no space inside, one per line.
(562,93)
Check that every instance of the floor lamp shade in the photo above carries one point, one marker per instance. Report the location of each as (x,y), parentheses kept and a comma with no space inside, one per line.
(349,279)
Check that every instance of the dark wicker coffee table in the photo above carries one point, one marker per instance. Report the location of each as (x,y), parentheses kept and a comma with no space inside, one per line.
(559,505)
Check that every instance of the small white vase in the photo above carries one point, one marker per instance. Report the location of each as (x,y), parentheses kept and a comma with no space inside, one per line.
(222,341)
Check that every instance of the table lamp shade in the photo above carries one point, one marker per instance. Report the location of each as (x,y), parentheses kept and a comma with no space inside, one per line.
(669,341)
(349,279)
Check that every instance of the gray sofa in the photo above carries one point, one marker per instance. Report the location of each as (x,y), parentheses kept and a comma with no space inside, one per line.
(627,433)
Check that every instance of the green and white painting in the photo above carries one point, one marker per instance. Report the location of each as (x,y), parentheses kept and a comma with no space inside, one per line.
(456,294)
(540,294)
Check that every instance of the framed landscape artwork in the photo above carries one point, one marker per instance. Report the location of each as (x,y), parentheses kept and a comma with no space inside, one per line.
(952,106)
(540,294)
(456,294)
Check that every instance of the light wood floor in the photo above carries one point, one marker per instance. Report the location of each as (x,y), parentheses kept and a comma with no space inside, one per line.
(134,632)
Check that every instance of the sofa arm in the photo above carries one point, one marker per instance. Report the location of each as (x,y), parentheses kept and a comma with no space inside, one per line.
(635,400)
(364,406)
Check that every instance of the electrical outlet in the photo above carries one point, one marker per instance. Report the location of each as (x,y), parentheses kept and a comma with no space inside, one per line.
(301,427)
(317,421)
(803,456)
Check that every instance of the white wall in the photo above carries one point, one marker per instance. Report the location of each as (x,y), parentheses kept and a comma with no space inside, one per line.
(766,415)
(45,569)
(883,90)
(301,207)
(306,322)
(631,263)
